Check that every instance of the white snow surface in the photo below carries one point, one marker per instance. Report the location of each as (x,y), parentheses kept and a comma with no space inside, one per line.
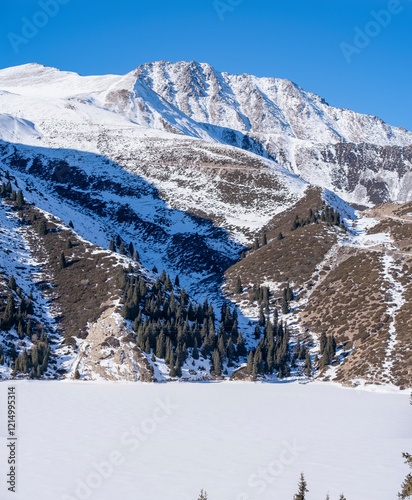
(232,439)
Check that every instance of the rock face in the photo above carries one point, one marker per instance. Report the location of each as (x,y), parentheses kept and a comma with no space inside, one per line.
(360,157)
(110,353)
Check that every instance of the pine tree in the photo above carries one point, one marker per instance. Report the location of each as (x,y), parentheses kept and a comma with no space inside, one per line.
(342,497)
(168,284)
(323,342)
(154,270)
(202,496)
(249,367)
(240,346)
(216,363)
(9,315)
(195,353)
(300,495)
(62,261)
(71,224)
(177,281)
(12,283)
(77,375)
(112,246)
(406,491)
(122,250)
(308,365)
(69,244)
(285,306)
(20,198)
(42,227)
(280,236)
(264,239)
(255,244)
(238,287)
(136,257)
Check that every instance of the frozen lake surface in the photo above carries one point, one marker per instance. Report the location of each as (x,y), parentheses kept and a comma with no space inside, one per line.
(238,441)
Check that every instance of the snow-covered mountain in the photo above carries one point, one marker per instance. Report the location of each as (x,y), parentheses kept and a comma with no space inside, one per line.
(360,157)
(190,166)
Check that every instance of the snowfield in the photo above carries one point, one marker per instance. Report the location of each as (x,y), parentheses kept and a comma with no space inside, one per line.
(238,441)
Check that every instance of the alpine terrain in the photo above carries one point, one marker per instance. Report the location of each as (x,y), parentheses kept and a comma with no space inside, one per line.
(178,222)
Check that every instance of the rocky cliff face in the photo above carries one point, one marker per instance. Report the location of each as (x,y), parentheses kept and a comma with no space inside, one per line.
(362,158)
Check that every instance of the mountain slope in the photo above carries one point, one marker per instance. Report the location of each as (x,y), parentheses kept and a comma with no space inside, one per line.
(360,157)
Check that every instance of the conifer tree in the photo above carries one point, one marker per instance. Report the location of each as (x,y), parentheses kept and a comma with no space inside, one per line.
(280,236)
(122,250)
(300,495)
(238,287)
(216,363)
(195,353)
(264,239)
(19,198)
(240,346)
(323,342)
(249,367)
(69,244)
(9,315)
(77,375)
(136,257)
(42,227)
(183,298)
(168,284)
(230,350)
(255,244)
(202,496)
(62,261)
(112,246)
(12,283)
(406,491)
(285,306)
(308,365)
(177,281)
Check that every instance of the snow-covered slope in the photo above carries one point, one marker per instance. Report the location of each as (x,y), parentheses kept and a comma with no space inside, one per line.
(359,156)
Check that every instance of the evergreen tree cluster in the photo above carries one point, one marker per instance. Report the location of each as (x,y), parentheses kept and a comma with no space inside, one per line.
(171,327)
(18,310)
(128,250)
(303,489)
(6,191)
(327,349)
(328,215)
(35,361)
(272,351)
(17,313)
(261,295)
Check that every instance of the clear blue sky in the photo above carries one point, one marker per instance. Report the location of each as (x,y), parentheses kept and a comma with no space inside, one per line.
(295,39)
